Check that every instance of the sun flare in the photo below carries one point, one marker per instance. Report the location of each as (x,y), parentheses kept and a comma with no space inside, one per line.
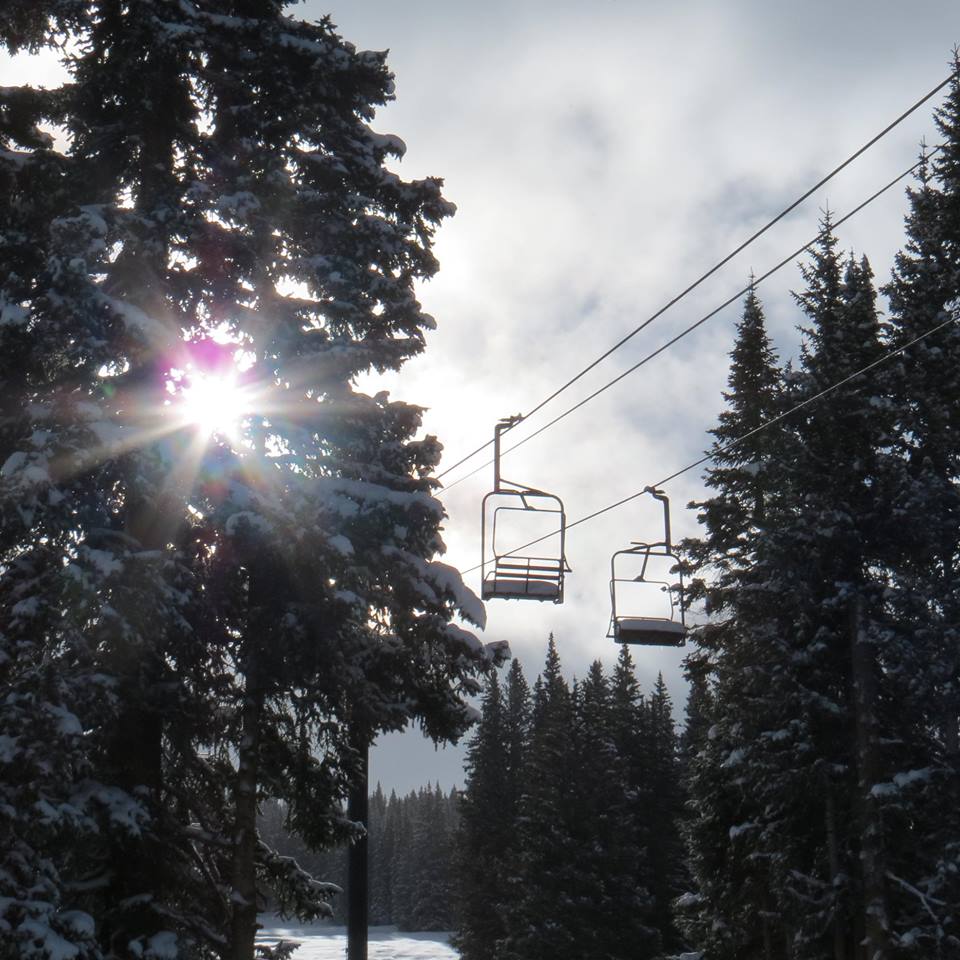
(213,403)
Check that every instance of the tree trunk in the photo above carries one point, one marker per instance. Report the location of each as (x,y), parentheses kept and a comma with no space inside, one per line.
(833,851)
(872,881)
(358,899)
(243,927)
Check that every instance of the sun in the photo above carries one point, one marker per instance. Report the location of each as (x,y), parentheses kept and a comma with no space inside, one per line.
(213,403)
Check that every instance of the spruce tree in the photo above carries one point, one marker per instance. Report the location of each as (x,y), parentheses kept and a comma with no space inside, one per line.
(548,851)
(485,832)
(516,723)
(628,721)
(740,472)
(924,292)
(378,859)
(662,816)
(813,788)
(197,618)
(729,914)
(608,911)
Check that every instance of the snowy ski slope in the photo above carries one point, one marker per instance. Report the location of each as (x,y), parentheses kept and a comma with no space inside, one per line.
(323,942)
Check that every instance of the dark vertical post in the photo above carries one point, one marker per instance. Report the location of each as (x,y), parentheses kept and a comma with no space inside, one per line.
(357,879)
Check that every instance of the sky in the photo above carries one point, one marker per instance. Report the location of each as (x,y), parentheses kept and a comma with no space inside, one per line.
(603,156)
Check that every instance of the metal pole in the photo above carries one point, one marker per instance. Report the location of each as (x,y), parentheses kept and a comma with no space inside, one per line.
(357,876)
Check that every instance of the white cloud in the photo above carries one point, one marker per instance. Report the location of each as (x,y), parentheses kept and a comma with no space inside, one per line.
(602,156)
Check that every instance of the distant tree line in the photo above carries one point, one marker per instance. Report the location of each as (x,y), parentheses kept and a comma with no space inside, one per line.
(410,848)
(569,842)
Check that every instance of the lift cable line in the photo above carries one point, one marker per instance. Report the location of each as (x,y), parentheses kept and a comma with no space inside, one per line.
(954,318)
(683,333)
(696,283)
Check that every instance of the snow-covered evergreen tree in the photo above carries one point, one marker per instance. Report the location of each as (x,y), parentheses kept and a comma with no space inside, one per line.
(729,914)
(813,790)
(486,833)
(609,911)
(198,613)
(636,787)
(924,293)
(739,471)
(662,814)
(547,847)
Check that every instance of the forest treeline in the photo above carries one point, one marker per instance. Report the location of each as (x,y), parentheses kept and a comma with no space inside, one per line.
(571,810)
(410,850)
(569,842)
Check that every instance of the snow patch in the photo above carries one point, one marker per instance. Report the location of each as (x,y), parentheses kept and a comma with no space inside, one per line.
(341,544)
(12,314)
(248,519)
(8,748)
(28,607)
(900,781)
(67,722)
(388,142)
(78,923)
(735,758)
(49,941)
(448,578)
(105,563)
(13,463)
(460,636)
(162,946)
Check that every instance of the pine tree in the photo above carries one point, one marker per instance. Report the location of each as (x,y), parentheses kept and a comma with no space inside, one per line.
(484,836)
(404,865)
(516,722)
(772,785)
(662,817)
(923,293)
(194,622)
(390,856)
(741,468)
(378,858)
(819,765)
(607,912)
(729,915)
(629,730)
(548,849)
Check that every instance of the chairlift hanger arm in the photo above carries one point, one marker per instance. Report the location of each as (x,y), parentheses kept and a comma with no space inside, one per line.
(508,423)
(665,500)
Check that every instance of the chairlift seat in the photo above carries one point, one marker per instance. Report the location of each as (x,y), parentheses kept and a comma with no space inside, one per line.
(524,578)
(521,589)
(516,574)
(649,631)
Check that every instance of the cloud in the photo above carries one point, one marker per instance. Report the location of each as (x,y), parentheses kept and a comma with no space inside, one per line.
(603,156)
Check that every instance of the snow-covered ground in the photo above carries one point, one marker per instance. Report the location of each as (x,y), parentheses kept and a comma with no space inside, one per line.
(325,942)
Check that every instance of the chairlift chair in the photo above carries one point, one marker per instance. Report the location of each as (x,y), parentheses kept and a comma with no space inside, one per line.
(638,624)
(527,571)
